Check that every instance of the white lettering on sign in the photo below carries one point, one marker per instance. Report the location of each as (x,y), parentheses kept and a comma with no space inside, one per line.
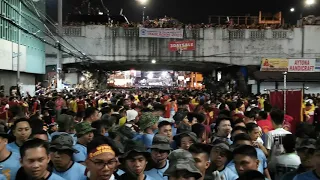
(181,45)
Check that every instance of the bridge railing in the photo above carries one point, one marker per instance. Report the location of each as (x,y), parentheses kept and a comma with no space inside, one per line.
(232,34)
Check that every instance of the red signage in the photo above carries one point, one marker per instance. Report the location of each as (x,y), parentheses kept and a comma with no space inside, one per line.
(188,45)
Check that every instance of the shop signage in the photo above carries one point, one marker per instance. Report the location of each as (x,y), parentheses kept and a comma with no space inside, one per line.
(187,45)
(301,65)
(161,33)
(274,64)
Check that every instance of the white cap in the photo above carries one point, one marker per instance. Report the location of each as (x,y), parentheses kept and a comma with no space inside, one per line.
(131,115)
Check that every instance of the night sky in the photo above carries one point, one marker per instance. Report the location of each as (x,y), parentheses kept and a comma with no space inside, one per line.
(197,11)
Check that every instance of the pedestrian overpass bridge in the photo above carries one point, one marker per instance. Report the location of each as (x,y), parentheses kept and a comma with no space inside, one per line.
(117,48)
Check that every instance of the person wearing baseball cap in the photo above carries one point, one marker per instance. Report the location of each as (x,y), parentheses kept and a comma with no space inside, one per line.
(181,165)
(305,150)
(9,161)
(84,135)
(160,151)
(315,172)
(61,152)
(135,160)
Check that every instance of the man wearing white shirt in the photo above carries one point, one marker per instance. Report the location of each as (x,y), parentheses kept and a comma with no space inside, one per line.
(274,138)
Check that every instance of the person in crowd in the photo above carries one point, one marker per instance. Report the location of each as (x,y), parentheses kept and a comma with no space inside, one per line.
(65,126)
(305,151)
(245,159)
(84,135)
(252,175)
(148,123)
(315,172)
(41,135)
(102,162)
(170,108)
(287,162)
(239,122)
(120,134)
(81,104)
(61,153)
(255,132)
(201,155)
(273,140)
(60,103)
(305,131)
(200,131)
(9,161)
(91,114)
(135,159)
(132,119)
(185,140)
(35,159)
(238,130)
(182,166)
(181,119)
(160,151)
(123,114)
(244,139)
(101,128)
(165,129)
(21,130)
(223,129)
(264,119)
(220,156)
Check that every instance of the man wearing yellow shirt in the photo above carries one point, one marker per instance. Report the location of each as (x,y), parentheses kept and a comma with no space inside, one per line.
(73,105)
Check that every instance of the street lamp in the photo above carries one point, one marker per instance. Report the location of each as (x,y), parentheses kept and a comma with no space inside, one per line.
(292,10)
(143,3)
(310,2)
(153,61)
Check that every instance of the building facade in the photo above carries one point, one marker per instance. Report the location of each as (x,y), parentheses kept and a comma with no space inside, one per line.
(32,49)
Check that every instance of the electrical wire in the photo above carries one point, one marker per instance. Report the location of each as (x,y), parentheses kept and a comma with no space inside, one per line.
(55,32)
(49,35)
(51,21)
(37,37)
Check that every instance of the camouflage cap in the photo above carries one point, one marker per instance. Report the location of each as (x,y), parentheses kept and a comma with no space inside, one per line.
(161,142)
(83,128)
(134,146)
(63,142)
(124,132)
(147,120)
(181,159)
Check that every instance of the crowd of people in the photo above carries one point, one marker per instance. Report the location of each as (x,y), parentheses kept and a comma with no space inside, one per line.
(173,23)
(94,7)
(154,135)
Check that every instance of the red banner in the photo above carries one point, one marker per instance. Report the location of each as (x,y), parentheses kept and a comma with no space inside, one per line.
(188,45)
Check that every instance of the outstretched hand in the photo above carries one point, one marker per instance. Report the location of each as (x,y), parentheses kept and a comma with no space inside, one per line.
(216,176)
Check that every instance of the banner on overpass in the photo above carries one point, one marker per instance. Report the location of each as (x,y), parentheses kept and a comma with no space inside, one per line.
(274,65)
(160,33)
(302,65)
(188,45)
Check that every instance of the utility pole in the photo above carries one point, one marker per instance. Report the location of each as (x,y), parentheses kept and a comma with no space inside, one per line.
(59,64)
(18,54)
